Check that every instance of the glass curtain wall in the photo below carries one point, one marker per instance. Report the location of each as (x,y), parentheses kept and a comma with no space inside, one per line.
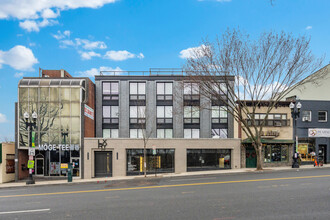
(208,159)
(58,122)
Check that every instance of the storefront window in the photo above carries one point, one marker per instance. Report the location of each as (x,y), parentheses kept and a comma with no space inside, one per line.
(307,151)
(276,153)
(208,159)
(162,162)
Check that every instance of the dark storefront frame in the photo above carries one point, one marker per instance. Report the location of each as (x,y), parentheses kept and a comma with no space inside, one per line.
(208,159)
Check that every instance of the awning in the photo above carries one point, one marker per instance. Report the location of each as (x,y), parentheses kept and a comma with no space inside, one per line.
(269,141)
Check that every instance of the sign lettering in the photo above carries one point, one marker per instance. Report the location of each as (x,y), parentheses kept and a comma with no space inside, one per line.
(318,132)
(63,147)
(89,112)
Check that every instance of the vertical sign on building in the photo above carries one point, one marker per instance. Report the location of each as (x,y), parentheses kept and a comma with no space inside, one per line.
(89,112)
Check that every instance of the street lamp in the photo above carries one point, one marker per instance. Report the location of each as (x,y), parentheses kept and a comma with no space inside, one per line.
(295,113)
(30,124)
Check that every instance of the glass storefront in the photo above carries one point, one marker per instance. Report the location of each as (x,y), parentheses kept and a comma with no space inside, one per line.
(306,150)
(276,153)
(58,123)
(208,159)
(161,162)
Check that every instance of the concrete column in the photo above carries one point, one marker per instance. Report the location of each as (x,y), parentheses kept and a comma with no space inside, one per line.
(205,117)
(124,109)
(98,108)
(151,112)
(178,109)
(180,158)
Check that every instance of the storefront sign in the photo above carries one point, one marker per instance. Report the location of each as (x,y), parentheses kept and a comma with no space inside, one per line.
(318,132)
(30,164)
(89,112)
(272,133)
(63,147)
(32,151)
(64,165)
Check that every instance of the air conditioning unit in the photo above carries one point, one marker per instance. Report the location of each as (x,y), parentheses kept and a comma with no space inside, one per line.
(305,119)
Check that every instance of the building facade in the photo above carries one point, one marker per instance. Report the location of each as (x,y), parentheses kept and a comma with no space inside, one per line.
(162,112)
(277,136)
(64,107)
(7,162)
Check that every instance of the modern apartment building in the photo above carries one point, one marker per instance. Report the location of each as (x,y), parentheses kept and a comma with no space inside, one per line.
(54,113)
(165,112)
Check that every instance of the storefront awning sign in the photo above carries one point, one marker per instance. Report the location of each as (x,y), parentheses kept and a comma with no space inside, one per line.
(63,147)
(318,132)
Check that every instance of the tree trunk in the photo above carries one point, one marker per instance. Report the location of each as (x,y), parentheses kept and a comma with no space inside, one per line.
(258,149)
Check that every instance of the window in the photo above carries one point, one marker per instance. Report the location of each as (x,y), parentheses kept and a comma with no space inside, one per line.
(208,159)
(322,116)
(10,163)
(137,91)
(191,114)
(273,120)
(136,133)
(306,116)
(191,91)
(164,114)
(137,114)
(219,114)
(110,91)
(276,153)
(110,133)
(164,133)
(191,133)
(110,114)
(219,133)
(164,91)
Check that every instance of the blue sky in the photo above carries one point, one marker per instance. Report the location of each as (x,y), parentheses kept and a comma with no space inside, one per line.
(83,37)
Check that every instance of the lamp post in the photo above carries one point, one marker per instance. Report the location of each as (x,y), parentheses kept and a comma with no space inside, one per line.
(30,124)
(295,113)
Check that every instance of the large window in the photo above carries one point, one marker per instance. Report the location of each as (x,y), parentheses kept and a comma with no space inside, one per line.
(219,114)
(164,114)
(219,133)
(137,114)
(306,116)
(110,114)
(164,91)
(191,133)
(137,90)
(161,162)
(136,133)
(322,116)
(276,153)
(273,120)
(191,91)
(110,133)
(191,114)
(208,159)
(164,133)
(110,91)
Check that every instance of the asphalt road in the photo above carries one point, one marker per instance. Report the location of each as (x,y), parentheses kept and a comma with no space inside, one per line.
(303,194)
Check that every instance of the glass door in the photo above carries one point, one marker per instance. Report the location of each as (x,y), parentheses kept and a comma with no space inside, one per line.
(75,161)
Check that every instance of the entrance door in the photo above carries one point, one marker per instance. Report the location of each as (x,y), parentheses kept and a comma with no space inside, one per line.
(103,164)
(75,166)
(40,166)
(323,153)
(251,158)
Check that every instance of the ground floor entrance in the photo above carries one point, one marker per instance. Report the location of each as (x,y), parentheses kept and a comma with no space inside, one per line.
(323,153)
(103,163)
(251,157)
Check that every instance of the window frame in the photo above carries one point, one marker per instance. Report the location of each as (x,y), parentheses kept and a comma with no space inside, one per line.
(164,96)
(111,96)
(138,96)
(326,116)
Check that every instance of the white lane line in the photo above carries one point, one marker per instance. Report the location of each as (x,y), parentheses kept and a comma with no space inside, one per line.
(210,178)
(25,211)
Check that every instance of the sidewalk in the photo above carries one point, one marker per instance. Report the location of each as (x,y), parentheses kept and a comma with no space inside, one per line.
(166,175)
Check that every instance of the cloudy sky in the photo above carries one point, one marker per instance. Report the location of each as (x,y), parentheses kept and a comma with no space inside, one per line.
(84,37)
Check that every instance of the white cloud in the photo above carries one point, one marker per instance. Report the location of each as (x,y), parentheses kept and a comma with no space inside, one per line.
(29,10)
(31,25)
(61,35)
(88,55)
(96,71)
(19,75)
(66,43)
(19,58)
(90,45)
(121,55)
(3,118)
(193,52)
(309,27)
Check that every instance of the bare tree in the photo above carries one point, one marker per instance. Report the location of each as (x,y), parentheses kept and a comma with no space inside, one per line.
(236,68)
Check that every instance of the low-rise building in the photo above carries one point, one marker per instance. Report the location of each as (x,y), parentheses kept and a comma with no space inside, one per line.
(7,162)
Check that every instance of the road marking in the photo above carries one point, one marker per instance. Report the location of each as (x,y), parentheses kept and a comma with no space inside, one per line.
(24,211)
(210,178)
(190,192)
(165,186)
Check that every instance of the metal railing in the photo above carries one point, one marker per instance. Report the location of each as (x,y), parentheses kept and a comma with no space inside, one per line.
(151,72)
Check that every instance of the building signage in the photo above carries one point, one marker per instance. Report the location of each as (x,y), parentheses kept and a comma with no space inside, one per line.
(272,133)
(318,132)
(64,166)
(89,112)
(30,164)
(63,147)
(32,151)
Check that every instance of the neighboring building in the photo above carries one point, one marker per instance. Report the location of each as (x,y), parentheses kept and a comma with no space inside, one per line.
(313,127)
(163,111)
(65,115)
(277,138)
(7,162)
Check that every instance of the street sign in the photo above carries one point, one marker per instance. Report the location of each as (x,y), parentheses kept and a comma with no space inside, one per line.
(30,164)
(32,151)
(30,157)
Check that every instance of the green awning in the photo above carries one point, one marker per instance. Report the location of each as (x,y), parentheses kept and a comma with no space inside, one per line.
(269,141)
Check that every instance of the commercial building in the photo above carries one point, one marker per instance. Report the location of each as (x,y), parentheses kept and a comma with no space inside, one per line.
(277,136)
(313,127)
(7,162)
(62,108)
(163,111)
